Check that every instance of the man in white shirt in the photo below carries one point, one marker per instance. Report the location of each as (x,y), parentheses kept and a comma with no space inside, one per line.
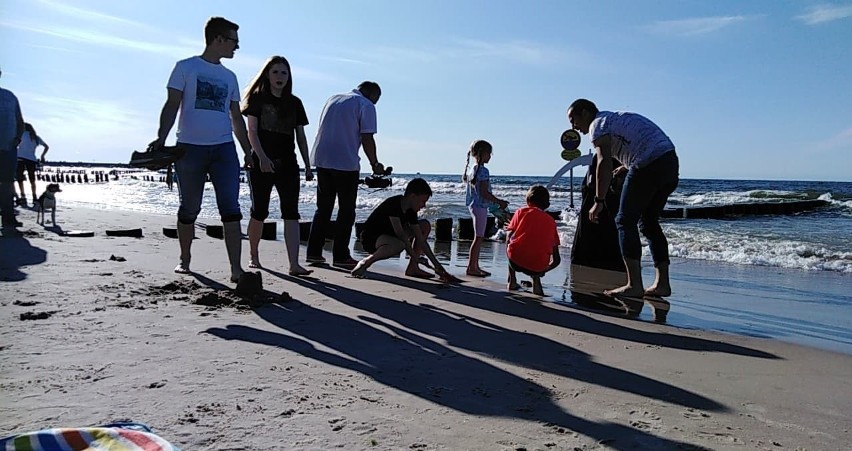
(347,123)
(208,97)
(648,156)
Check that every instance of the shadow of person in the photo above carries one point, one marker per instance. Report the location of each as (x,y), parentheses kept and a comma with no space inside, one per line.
(16,252)
(418,364)
(557,315)
(522,348)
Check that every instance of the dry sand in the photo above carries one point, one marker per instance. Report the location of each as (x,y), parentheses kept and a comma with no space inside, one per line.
(383,363)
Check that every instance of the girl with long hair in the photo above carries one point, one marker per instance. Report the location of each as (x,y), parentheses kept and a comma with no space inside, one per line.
(276,124)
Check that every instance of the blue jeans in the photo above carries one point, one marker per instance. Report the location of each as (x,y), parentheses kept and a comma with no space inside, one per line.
(8,165)
(221,163)
(643,198)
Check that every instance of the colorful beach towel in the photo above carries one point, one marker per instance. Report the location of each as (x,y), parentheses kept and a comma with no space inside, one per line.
(111,437)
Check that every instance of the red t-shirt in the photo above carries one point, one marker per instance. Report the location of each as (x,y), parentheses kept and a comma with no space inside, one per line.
(533,239)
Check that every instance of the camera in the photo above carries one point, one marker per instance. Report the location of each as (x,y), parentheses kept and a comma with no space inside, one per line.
(380,180)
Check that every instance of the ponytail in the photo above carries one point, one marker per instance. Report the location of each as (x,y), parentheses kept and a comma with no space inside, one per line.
(466,165)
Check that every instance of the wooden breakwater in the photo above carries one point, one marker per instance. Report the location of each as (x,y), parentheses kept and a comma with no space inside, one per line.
(745,209)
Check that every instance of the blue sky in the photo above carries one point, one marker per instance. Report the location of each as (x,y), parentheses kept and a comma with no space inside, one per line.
(756,89)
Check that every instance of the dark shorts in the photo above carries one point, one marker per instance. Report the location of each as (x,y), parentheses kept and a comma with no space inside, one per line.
(526,271)
(25,165)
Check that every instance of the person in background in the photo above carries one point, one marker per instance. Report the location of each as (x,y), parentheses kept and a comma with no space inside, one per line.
(208,97)
(533,247)
(276,118)
(347,123)
(652,175)
(478,198)
(27,161)
(393,227)
(11,129)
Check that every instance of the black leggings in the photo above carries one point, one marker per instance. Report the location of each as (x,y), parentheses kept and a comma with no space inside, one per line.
(286,182)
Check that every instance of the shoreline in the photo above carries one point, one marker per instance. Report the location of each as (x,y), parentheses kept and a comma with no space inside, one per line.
(383,363)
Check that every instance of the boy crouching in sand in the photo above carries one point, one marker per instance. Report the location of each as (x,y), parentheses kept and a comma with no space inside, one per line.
(393,227)
(533,240)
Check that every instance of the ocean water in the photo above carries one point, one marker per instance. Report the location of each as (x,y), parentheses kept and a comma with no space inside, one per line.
(785,277)
(817,240)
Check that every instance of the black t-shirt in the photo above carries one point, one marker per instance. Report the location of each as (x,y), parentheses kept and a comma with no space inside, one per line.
(379,221)
(277,119)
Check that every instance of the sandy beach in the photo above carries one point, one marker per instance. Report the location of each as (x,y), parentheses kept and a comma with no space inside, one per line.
(100,329)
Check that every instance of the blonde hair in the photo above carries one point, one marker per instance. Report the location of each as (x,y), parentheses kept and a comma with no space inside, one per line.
(477,149)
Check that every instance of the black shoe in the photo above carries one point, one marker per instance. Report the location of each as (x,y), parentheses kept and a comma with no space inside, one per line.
(315,259)
(349,263)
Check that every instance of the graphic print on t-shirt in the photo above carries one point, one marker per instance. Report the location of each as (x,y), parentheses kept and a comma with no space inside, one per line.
(271,121)
(210,94)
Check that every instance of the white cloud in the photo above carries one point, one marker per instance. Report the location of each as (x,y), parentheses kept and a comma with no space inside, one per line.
(106,39)
(517,51)
(92,16)
(825,13)
(99,129)
(841,140)
(694,26)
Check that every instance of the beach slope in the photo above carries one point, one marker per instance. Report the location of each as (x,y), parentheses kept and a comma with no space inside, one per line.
(99,329)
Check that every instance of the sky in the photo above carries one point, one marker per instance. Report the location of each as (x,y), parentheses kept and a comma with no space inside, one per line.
(745,90)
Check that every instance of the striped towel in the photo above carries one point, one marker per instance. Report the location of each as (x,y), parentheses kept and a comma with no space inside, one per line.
(111,437)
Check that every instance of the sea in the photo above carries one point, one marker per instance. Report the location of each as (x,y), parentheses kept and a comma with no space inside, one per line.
(776,276)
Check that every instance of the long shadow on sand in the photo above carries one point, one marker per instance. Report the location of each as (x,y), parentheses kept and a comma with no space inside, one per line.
(383,346)
(16,251)
(554,314)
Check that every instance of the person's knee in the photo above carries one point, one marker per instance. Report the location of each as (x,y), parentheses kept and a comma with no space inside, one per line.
(229,217)
(650,228)
(425,227)
(625,221)
(187,219)
(259,215)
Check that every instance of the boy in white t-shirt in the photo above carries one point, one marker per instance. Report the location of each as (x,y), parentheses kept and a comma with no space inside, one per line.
(207,96)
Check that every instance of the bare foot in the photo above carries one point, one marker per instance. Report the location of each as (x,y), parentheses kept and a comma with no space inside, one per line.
(298,271)
(476,272)
(254,262)
(537,290)
(513,286)
(360,270)
(182,267)
(418,273)
(627,291)
(658,291)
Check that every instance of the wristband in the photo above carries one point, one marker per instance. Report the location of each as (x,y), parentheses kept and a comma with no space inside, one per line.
(599,200)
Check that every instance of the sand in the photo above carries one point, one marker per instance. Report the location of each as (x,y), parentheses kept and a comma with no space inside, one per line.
(100,329)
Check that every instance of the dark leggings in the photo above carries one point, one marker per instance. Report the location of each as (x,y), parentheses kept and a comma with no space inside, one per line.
(643,198)
(286,182)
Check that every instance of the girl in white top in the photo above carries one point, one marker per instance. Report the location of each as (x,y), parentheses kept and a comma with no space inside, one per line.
(27,160)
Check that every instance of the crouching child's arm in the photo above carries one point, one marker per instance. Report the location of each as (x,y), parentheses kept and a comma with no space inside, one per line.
(420,241)
(555,258)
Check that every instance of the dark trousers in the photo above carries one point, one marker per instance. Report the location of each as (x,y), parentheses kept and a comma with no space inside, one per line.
(643,198)
(343,186)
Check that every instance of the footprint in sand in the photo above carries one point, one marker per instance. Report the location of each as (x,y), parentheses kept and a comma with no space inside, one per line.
(645,420)
(337,423)
(693,414)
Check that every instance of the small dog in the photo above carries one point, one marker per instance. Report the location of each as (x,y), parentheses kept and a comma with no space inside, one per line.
(47,201)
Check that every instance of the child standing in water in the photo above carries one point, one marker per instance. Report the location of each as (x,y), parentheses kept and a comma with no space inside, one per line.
(478,198)
(276,123)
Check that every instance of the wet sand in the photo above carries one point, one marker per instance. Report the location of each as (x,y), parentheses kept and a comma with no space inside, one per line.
(99,329)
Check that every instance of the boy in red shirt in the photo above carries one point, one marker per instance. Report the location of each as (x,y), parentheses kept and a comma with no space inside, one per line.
(533,240)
